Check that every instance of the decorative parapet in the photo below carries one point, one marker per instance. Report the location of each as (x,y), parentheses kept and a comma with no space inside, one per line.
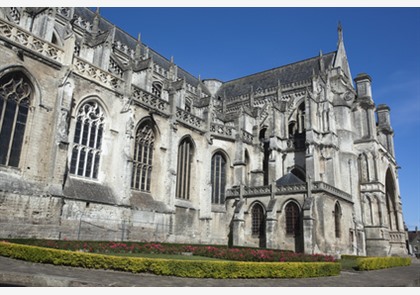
(291,189)
(92,72)
(222,130)
(257,191)
(233,192)
(149,100)
(189,119)
(372,187)
(322,186)
(286,190)
(395,236)
(247,137)
(22,38)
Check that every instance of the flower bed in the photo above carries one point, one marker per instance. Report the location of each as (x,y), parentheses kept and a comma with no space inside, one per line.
(220,252)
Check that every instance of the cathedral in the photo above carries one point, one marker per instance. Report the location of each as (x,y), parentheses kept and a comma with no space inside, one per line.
(102,138)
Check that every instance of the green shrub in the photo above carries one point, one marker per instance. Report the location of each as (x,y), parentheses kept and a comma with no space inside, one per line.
(173,267)
(371,263)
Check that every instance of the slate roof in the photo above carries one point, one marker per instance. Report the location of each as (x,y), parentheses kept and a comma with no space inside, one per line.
(89,191)
(295,72)
(131,42)
(289,179)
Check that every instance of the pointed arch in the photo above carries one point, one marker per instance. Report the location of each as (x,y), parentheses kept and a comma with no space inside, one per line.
(185,157)
(296,126)
(16,97)
(337,219)
(258,219)
(157,88)
(218,177)
(143,155)
(87,140)
(293,218)
(247,166)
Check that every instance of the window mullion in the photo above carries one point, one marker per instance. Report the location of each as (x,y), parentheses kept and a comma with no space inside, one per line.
(12,133)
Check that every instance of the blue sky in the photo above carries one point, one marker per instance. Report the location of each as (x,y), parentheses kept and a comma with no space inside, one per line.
(227,43)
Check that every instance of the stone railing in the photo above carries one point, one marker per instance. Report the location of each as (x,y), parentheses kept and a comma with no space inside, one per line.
(395,236)
(291,189)
(322,186)
(372,187)
(233,192)
(189,119)
(92,72)
(247,137)
(221,129)
(25,39)
(257,191)
(286,190)
(150,100)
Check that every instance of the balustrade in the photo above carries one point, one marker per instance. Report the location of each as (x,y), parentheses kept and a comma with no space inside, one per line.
(150,100)
(29,41)
(90,71)
(189,118)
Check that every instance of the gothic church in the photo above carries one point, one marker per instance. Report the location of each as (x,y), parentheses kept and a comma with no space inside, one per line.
(103,138)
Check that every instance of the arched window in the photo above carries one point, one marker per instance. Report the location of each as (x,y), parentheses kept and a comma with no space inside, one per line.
(218,178)
(258,221)
(297,132)
(266,157)
(15,98)
(143,157)
(247,167)
(157,89)
(87,140)
(337,220)
(185,155)
(292,219)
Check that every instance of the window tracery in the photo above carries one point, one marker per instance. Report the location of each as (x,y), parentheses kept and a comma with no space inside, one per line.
(218,178)
(15,99)
(87,141)
(185,155)
(292,219)
(143,158)
(157,89)
(257,213)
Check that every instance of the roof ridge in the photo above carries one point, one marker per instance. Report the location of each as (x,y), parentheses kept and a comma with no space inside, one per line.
(283,66)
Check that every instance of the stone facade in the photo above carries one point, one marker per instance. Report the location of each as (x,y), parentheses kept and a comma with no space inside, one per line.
(102,138)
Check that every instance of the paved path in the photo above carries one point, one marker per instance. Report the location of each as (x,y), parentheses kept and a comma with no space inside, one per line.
(21,273)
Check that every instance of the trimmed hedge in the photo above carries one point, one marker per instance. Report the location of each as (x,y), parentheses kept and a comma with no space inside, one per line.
(371,263)
(173,267)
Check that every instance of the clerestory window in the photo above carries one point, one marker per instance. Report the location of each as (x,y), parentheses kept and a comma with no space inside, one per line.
(15,98)
(143,157)
(218,178)
(87,141)
(157,89)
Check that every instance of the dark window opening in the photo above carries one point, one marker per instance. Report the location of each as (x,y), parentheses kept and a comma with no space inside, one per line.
(143,158)
(15,96)
(292,219)
(218,178)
